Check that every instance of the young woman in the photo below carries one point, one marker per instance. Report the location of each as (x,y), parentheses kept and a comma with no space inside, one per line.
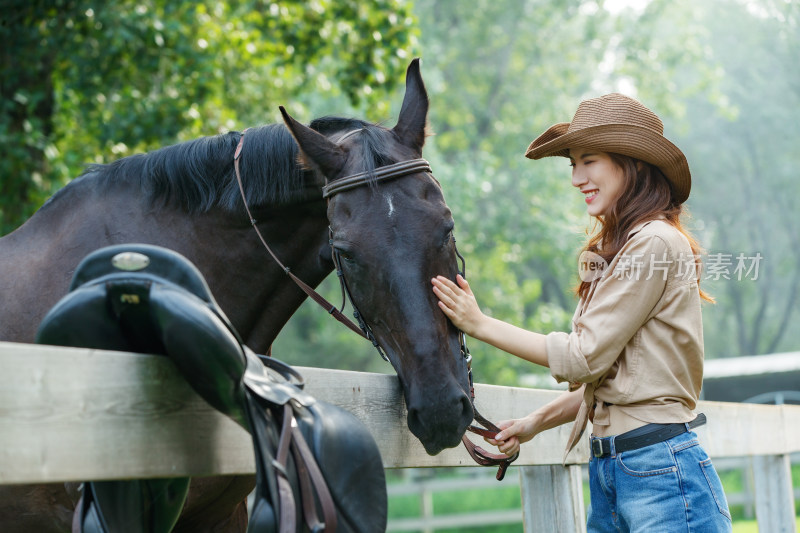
(634,357)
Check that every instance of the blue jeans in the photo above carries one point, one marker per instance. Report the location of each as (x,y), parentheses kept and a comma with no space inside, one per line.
(668,487)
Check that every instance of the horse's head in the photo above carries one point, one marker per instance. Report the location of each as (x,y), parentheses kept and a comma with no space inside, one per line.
(390,236)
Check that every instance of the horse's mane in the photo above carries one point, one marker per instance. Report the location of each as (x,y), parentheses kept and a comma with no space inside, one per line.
(198,174)
(374,145)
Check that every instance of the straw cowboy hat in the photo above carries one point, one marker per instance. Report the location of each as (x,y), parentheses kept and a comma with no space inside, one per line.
(619,124)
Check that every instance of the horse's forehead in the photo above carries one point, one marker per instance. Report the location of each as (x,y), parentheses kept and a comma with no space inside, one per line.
(417,199)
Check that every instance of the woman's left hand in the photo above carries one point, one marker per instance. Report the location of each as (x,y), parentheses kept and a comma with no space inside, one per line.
(514,433)
(458,303)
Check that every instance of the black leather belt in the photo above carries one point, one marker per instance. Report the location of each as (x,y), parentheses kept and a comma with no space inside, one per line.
(643,436)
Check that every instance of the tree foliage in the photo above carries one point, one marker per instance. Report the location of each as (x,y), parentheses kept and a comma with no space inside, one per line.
(744,152)
(85,81)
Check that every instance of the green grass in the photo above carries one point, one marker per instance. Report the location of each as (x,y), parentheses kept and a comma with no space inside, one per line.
(458,502)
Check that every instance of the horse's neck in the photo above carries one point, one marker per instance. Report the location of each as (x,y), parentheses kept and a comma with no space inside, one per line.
(256,294)
(37,260)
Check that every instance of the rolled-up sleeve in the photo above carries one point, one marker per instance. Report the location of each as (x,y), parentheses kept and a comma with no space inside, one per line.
(626,296)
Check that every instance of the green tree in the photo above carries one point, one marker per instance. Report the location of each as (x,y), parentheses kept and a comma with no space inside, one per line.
(85,81)
(745,159)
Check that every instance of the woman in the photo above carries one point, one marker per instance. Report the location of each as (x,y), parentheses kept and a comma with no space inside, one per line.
(634,357)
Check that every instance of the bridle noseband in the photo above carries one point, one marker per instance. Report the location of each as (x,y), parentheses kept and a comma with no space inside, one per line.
(387,172)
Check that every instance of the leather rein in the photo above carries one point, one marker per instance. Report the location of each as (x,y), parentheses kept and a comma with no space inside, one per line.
(396,170)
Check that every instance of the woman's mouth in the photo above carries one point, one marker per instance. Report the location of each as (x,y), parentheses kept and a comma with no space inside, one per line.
(590,195)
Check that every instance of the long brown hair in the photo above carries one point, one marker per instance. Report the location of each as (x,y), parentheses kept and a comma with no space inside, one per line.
(646,196)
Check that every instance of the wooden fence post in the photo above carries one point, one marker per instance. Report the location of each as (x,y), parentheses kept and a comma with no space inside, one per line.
(772,475)
(552,499)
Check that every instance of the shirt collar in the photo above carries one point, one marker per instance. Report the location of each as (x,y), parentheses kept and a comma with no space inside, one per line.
(638,227)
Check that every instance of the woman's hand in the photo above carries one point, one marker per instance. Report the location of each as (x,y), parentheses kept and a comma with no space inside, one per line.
(559,411)
(458,303)
(514,433)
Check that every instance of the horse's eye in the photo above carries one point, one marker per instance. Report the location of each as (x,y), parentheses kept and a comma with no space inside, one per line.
(346,256)
(448,239)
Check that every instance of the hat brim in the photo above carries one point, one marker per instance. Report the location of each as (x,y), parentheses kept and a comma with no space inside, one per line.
(626,139)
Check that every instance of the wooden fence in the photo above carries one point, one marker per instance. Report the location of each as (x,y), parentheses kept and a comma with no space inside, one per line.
(423,487)
(74,414)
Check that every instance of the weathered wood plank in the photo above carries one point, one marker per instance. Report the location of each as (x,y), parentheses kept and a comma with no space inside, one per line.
(552,498)
(73,414)
(774,495)
(741,429)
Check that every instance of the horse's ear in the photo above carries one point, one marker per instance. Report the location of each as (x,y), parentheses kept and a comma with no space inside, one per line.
(316,150)
(410,126)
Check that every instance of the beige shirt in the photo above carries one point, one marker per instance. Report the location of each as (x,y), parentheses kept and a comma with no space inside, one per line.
(637,339)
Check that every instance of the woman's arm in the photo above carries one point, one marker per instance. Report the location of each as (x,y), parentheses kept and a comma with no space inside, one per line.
(461,307)
(560,411)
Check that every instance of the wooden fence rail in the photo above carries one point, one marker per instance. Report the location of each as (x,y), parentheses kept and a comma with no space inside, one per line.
(75,414)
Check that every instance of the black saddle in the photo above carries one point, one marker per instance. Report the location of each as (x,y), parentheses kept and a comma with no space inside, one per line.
(317,466)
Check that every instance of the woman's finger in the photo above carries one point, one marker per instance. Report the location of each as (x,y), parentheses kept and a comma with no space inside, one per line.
(443,291)
(445,300)
(448,285)
(447,311)
(463,284)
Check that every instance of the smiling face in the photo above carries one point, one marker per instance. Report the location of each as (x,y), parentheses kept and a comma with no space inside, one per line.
(598,177)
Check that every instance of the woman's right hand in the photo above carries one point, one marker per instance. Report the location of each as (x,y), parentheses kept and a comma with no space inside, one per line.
(458,303)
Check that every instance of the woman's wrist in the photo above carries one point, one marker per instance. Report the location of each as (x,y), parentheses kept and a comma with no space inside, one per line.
(481,328)
(536,421)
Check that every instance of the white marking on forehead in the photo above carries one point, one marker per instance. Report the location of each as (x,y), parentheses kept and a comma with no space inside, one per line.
(389,202)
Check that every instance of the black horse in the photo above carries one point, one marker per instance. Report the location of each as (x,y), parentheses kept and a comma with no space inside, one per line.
(391,237)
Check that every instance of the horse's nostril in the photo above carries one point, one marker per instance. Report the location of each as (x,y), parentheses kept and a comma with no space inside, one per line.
(414,421)
(466,409)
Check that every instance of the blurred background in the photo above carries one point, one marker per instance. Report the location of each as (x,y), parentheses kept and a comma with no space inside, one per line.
(93,81)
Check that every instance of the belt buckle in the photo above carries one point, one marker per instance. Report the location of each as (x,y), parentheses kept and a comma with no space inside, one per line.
(597,447)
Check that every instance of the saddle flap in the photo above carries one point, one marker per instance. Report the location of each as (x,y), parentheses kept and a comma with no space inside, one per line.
(151,505)
(351,463)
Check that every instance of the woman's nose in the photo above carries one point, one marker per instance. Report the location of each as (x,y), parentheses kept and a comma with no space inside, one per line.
(578,177)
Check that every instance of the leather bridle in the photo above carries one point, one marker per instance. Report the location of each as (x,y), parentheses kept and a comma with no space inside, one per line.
(387,172)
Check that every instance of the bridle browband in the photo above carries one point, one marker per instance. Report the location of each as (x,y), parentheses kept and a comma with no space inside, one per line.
(387,172)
